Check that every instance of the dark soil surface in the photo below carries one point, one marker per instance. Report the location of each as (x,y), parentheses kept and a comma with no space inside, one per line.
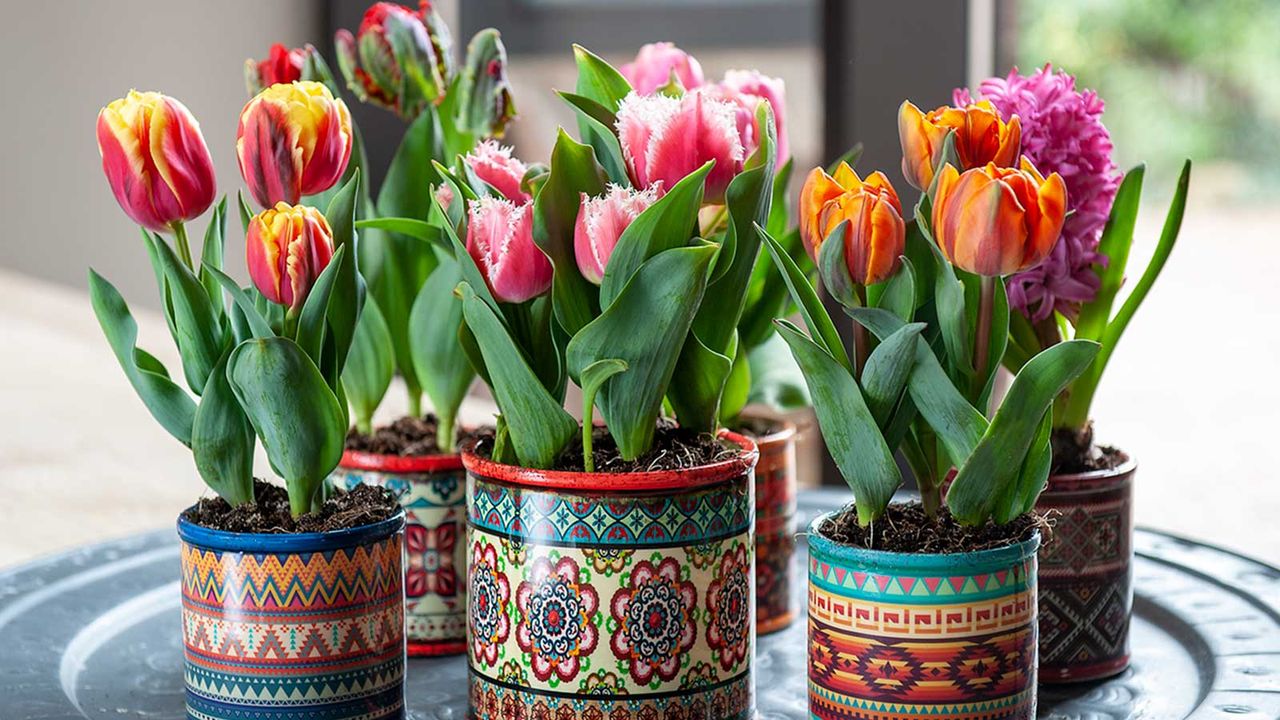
(365,505)
(406,436)
(905,528)
(1075,452)
(673,449)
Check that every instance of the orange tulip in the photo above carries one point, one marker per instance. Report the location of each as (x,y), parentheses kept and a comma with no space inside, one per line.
(996,221)
(876,234)
(981,138)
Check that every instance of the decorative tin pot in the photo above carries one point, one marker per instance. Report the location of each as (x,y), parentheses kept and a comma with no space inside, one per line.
(898,635)
(432,491)
(305,625)
(624,596)
(775,529)
(1086,575)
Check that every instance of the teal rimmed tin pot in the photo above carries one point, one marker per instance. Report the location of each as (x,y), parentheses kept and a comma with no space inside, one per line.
(897,635)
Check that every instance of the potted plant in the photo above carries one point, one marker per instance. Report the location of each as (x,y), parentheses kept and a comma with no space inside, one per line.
(1086,573)
(290,601)
(927,609)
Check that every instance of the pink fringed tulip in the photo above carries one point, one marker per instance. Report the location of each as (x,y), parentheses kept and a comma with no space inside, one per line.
(665,138)
(656,63)
(294,139)
(500,240)
(745,89)
(494,164)
(287,247)
(155,160)
(601,221)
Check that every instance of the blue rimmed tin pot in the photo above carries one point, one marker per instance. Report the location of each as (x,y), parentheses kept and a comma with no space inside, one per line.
(624,596)
(304,625)
(432,491)
(896,635)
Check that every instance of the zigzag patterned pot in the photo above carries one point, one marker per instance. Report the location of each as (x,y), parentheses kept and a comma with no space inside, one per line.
(895,635)
(1086,575)
(775,529)
(293,626)
(611,596)
(432,491)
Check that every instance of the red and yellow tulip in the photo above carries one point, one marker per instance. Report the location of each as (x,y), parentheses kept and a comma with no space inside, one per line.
(287,247)
(398,58)
(876,235)
(994,221)
(981,137)
(155,160)
(294,139)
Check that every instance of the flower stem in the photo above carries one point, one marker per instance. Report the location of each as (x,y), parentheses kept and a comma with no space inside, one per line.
(415,404)
(444,432)
(982,341)
(861,341)
(184,245)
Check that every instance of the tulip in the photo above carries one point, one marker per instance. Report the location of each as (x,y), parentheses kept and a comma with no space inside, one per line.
(500,240)
(398,59)
(600,223)
(981,137)
(995,221)
(485,105)
(283,65)
(664,139)
(657,63)
(293,140)
(746,88)
(155,160)
(876,235)
(494,164)
(287,247)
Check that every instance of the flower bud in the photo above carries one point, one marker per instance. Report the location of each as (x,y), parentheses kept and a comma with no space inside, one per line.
(398,59)
(485,105)
(282,65)
(664,139)
(293,140)
(155,159)
(995,221)
(500,240)
(876,236)
(656,63)
(600,223)
(494,164)
(287,247)
(746,88)
(981,137)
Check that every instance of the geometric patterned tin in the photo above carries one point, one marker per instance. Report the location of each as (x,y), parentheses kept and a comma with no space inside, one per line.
(432,491)
(898,635)
(293,626)
(611,596)
(1086,575)
(775,528)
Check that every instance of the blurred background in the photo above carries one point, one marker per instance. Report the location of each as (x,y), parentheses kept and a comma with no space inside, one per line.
(1191,393)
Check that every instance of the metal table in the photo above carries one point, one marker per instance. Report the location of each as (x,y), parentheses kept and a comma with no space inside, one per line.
(94,633)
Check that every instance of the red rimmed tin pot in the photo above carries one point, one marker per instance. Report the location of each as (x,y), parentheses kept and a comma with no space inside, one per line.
(1086,575)
(624,596)
(775,527)
(432,491)
(293,626)
(898,636)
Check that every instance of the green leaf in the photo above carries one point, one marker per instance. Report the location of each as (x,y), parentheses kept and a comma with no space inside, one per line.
(593,378)
(1115,244)
(538,426)
(698,383)
(768,296)
(833,268)
(197,331)
(776,380)
(412,227)
(991,471)
(169,404)
(737,388)
(949,300)
(370,365)
(246,213)
(222,439)
(295,414)
(779,217)
(887,370)
(898,293)
(645,326)
(852,437)
(311,320)
(595,125)
(821,329)
(598,80)
(1032,476)
(343,308)
(257,324)
(211,252)
(438,358)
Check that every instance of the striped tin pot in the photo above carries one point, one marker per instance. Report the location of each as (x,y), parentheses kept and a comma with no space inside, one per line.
(624,596)
(897,635)
(775,529)
(293,626)
(1086,575)
(432,491)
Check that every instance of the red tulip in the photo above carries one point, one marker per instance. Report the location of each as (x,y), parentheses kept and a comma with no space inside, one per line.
(601,221)
(293,140)
(500,240)
(665,138)
(656,63)
(287,247)
(398,58)
(282,65)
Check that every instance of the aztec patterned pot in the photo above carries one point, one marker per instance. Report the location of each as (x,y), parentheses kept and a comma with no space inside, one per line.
(623,596)
(1086,575)
(775,529)
(294,626)
(432,491)
(898,635)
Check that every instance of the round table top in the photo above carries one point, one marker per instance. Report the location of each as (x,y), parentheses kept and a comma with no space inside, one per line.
(93,633)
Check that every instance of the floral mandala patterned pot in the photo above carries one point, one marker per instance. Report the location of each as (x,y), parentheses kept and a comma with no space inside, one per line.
(1086,575)
(897,635)
(432,491)
(294,626)
(775,529)
(600,596)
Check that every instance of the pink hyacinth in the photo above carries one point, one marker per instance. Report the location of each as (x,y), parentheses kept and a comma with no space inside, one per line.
(746,88)
(1062,132)
(654,65)
(500,240)
(601,221)
(494,164)
(665,138)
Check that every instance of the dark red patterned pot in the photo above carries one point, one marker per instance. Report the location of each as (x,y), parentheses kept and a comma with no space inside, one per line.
(775,529)
(1086,575)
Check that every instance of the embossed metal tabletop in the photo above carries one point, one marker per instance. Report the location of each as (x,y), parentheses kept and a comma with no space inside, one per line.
(94,633)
